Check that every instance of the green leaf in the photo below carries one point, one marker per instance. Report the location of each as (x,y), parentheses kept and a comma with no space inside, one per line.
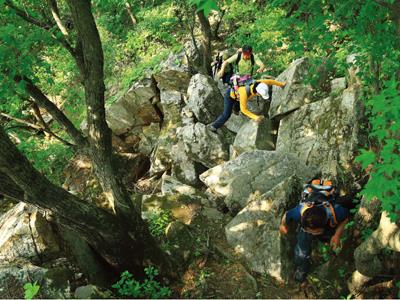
(31,290)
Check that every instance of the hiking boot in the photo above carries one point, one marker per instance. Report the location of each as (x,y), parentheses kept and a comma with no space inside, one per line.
(211,128)
(299,276)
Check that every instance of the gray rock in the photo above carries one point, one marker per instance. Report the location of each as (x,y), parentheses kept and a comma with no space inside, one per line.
(174,74)
(202,145)
(161,157)
(183,168)
(148,138)
(352,72)
(324,133)
(295,94)
(172,104)
(133,109)
(91,292)
(253,232)
(54,280)
(253,172)
(204,98)
(26,236)
(182,207)
(252,136)
(338,85)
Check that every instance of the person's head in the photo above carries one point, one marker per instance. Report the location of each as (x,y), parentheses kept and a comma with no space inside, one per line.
(262,89)
(247,51)
(314,220)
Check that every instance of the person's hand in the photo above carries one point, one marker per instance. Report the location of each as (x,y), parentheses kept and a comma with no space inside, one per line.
(260,70)
(335,242)
(283,229)
(260,119)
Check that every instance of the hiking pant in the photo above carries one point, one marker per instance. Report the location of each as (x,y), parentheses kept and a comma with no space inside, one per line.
(302,251)
(229,104)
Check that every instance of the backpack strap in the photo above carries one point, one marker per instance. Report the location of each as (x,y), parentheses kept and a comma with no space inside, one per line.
(330,212)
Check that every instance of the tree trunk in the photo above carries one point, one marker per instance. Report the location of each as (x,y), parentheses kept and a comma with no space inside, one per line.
(130,13)
(124,243)
(206,41)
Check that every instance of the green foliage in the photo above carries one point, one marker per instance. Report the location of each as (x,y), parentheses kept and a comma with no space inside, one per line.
(158,222)
(325,251)
(127,286)
(398,289)
(30,290)
(205,5)
(366,233)
(49,157)
(384,116)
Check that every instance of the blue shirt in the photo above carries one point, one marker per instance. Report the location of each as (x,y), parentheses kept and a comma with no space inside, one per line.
(294,214)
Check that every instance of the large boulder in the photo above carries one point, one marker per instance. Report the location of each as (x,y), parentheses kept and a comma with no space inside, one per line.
(172,104)
(325,133)
(161,157)
(26,236)
(174,74)
(252,136)
(171,186)
(134,109)
(295,93)
(254,235)
(202,145)
(182,207)
(183,168)
(253,172)
(148,138)
(204,98)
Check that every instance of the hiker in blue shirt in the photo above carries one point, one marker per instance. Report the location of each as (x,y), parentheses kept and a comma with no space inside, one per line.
(325,221)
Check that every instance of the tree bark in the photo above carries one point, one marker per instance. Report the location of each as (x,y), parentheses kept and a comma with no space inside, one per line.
(122,243)
(206,41)
(41,99)
(130,13)
(56,15)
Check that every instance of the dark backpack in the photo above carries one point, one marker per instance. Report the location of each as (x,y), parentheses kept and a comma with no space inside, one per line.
(239,57)
(219,59)
(320,193)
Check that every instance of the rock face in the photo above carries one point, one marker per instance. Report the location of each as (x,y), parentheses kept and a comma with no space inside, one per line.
(161,157)
(26,236)
(134,109)
(295,93)
(253,232)
(253,136)
(204,98)
(202,146)
(172,103)
(54,280)
(252,173)
(324,133)
(174,74)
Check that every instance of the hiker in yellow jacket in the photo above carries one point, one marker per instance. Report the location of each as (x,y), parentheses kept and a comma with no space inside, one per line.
(240,97)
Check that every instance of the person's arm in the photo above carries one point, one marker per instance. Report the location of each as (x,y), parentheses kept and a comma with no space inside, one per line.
(259,63)
(335,239)
(283,228)
(272,82)
(230,60)
(243,105)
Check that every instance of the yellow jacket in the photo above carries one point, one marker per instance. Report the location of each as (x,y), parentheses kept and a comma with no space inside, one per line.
(243,97)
